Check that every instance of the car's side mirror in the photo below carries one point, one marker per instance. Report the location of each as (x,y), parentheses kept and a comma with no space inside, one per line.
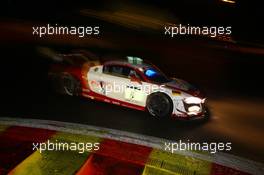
(134,78)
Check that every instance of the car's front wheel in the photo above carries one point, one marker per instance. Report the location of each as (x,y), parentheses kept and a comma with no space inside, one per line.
(159,105)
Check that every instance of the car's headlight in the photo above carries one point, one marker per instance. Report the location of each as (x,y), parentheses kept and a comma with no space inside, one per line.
(193,100)
(194,109)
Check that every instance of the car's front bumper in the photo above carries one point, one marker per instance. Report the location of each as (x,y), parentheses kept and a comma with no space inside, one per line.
(184,114)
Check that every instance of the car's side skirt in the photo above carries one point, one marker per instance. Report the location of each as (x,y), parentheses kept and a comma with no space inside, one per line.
(99,97)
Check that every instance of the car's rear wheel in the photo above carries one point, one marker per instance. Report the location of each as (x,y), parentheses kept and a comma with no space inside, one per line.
(71,86)
(67,84)
(159,105)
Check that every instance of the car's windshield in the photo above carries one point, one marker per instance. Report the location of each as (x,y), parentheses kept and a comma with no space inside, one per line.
(155,75)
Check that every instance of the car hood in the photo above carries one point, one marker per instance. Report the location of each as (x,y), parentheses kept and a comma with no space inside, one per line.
(178,84)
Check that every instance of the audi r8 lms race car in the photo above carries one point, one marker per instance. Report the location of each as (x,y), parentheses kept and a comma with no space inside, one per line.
(130,82)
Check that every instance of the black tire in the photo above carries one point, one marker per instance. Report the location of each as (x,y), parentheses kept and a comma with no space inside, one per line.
(65,83)
(159,105)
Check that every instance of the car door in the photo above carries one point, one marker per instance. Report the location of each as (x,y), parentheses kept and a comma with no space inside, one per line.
(136,90)
(124,84)
(115,80)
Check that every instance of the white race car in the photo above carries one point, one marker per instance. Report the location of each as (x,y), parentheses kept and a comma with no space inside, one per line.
(131,83)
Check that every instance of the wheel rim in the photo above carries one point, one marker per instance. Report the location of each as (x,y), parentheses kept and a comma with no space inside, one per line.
(158,106)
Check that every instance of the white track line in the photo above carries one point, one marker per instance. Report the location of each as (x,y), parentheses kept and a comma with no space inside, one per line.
(224,159)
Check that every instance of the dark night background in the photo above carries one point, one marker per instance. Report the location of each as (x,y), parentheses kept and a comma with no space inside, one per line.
(231,74)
